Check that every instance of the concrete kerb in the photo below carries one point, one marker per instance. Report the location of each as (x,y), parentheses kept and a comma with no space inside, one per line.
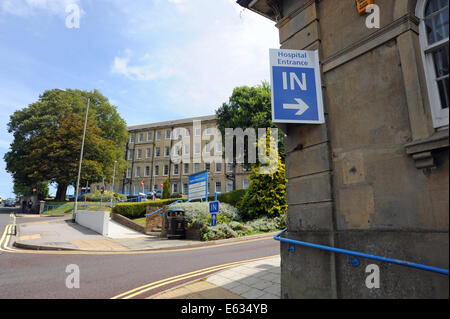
(21,245)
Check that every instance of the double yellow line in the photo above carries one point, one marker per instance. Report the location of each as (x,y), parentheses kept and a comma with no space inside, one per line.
(140,290)
(6,237)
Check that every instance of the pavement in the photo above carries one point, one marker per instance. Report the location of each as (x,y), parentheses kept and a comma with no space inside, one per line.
(254,280)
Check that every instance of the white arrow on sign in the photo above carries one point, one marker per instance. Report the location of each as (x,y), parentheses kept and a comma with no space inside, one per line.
(301,106)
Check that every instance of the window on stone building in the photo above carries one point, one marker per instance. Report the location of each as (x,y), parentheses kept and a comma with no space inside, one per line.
(149,153)
(156,172)
(175,169)
(149,136)
(138,172)
(185,168)
(141,137)
(434,40)
(185,188)
(218,187)
(157,152)
(167,151)
(158,136)
(147,171)
(166,170)
(139,154)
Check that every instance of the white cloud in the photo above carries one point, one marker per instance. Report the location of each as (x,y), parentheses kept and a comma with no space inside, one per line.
(227,47)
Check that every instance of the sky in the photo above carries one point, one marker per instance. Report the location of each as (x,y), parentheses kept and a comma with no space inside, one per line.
(156,60)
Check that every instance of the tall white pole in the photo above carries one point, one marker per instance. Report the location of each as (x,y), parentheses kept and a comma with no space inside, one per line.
(112,186)
(81,161)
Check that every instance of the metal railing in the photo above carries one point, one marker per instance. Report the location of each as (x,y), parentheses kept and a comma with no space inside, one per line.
(156,211)
(358,254)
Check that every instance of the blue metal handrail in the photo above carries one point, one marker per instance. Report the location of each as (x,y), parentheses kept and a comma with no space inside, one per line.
(362,255)
(152,213)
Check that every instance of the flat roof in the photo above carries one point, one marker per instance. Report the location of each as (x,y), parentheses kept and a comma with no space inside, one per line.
(171,123)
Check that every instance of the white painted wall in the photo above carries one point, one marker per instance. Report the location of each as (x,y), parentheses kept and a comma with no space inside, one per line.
(97,221)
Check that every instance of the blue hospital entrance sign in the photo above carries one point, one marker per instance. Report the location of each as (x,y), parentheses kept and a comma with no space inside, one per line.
(296,87)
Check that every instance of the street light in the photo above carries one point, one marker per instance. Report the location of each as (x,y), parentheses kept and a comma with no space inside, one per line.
(112,186)
(82,149)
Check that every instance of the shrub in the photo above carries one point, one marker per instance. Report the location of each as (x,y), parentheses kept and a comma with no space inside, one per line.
(97,196)
(138,210)
(233,198)
(166,189)
(200,211)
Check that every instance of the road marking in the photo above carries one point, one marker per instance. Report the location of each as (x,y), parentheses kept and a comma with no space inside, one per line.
(6,238)
(140,290)
(78,252)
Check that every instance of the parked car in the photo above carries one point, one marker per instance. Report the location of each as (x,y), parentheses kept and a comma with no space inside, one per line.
(158,193)
(10,202)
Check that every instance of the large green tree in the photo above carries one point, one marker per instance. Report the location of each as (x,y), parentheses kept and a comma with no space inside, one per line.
(249,107)
(48,135)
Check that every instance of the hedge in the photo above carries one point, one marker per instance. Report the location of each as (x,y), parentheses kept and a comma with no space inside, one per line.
(233,198)
(138,210)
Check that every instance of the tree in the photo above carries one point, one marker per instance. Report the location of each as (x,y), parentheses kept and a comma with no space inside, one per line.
(48,135)
(25,190)
(266,195)
(166,188)
(249,107)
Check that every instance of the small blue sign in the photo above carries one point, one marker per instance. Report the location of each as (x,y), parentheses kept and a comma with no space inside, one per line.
(296,87)
(213,219)
(214,207)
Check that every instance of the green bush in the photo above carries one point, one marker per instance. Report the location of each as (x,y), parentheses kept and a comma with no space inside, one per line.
(200,211)
(233,198)
(166,189)
(237,229)
(138,210)
(97,196)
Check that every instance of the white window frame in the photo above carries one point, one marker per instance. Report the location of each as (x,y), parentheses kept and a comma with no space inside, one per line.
(164,170)
(141,137)
(148,153)
(149,136)
(129,172)
(147,174)
(199,150)
(139,154)
(138,172)
(158,135)
(176,166)
(184,169)
(215,187)
(440,116)
(221,167)
(170,134)
(156,173)
(166,151)
(157,151)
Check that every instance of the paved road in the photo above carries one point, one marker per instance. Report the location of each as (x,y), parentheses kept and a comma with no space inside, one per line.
(43,274)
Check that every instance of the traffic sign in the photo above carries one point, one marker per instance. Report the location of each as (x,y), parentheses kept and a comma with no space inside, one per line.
(296,87)
(213,219)
(214,207)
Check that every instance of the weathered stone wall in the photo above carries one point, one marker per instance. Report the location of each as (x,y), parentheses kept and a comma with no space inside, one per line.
(352,183)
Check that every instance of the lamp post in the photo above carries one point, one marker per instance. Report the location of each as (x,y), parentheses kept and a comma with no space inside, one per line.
(112,186)
(74,214)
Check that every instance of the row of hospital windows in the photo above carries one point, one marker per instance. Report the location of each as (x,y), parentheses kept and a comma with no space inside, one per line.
(135,190)
(176,169)
(176,151)
(168,134)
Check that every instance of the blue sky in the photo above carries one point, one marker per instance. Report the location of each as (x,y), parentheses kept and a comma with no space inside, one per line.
(156,60)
